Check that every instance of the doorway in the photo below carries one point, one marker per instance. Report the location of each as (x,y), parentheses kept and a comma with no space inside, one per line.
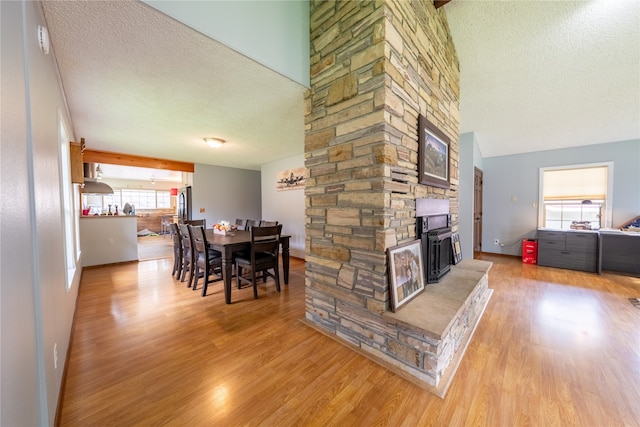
(155,246)
(477,212)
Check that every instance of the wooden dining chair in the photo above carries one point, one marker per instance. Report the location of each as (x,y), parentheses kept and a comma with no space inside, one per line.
(207,262)
(241,224)
(187,255)
(252,223)
(165,225)
(264,223)
(263,257)
(196,222)
(177,250)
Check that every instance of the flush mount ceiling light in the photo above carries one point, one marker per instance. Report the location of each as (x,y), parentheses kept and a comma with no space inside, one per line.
(214,142)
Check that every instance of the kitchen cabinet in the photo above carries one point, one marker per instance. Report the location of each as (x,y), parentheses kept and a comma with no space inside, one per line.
(77,169)
(574,250)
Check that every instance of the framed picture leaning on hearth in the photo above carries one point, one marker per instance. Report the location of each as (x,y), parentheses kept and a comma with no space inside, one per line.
(406,273)
(455,247)
(433,154)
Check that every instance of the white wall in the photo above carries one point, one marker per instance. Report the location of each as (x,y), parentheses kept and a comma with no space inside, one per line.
(286,207)
(470,158)
(465,203)
(36,311)
(274,33)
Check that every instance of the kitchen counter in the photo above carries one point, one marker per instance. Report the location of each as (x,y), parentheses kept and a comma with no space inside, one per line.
(618,232)
(564,230)
(107,216)
(108,239)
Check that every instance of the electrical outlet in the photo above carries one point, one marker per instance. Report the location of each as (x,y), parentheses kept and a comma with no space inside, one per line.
(496,242)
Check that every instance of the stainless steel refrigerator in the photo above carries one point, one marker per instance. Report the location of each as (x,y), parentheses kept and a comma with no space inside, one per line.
(184,204)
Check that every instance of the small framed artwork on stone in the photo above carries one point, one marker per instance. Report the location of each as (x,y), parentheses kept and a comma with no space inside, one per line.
(406,273)
(433,154)
(455,247)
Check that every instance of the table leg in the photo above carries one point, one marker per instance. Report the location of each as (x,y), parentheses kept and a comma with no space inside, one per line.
(285,260)
(227,273)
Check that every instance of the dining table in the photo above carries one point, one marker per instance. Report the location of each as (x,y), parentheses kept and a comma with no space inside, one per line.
(236,241)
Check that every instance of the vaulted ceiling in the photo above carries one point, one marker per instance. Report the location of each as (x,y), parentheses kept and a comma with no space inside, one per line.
(539,75)
(534,76)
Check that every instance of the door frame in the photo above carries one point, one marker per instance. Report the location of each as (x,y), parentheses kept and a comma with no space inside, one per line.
(477,210)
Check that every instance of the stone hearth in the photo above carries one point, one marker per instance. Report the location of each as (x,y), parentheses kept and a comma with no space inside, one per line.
(433,330)
(426,339)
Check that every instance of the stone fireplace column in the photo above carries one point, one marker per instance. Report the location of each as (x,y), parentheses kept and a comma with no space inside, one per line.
(375,66)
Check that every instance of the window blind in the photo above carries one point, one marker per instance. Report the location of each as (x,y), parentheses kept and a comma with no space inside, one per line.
(575,184)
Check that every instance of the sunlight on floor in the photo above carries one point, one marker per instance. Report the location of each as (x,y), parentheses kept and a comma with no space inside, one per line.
(571,319)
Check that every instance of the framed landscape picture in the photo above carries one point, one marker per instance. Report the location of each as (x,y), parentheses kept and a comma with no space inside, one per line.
(433,154)
(406,273)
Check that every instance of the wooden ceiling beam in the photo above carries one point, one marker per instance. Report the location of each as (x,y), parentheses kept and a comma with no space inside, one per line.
(96,156)
(440,3)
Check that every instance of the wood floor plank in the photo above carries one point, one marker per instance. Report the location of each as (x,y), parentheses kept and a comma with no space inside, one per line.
(554,348)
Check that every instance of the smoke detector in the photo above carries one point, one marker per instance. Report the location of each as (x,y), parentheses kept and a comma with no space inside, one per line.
(43,39)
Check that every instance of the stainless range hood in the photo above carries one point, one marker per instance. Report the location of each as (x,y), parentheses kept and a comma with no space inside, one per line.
(91,183)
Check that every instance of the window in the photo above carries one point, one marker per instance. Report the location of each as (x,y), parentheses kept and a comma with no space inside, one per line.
(140,198)
(69,201)
(576,197)
(565,214)
(163,199)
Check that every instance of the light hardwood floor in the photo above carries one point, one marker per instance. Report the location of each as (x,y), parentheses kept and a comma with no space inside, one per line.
(554,348)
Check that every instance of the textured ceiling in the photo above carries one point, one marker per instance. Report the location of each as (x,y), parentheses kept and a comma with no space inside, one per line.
(539,75)
(535,75)
(139,82)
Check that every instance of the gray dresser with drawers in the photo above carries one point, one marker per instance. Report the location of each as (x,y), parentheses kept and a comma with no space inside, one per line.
(572,249)
(620,252)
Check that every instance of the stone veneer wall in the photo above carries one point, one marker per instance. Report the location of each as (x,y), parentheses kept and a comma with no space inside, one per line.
(375,66)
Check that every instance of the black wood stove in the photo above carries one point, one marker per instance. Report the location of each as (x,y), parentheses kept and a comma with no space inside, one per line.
(434,231)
